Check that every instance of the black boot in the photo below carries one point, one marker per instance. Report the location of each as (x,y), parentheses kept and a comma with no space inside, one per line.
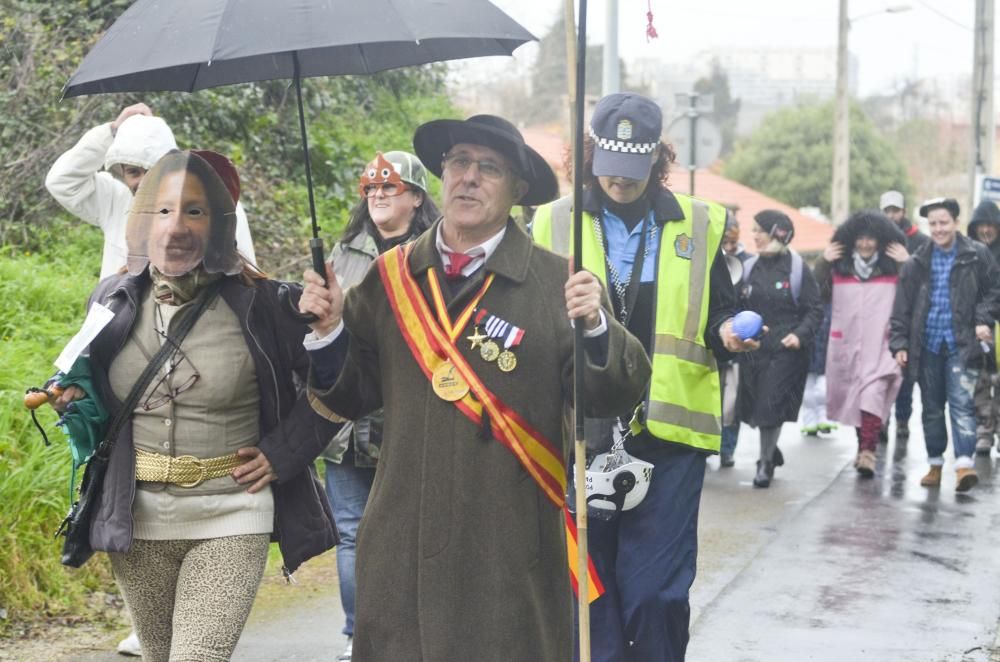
(765,470)
(779,459)
(902,437)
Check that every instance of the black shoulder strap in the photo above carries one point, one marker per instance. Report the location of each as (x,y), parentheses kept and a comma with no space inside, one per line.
(168,348)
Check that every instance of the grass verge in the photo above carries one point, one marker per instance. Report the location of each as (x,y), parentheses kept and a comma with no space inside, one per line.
(42,303)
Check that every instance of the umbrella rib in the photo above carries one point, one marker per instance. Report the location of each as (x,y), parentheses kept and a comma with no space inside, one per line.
(212,50)
(392,3)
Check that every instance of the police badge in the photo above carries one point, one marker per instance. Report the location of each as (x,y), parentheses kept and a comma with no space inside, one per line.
(683,246)
(624,130)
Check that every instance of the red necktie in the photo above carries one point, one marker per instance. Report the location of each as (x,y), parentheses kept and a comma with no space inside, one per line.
(456,262)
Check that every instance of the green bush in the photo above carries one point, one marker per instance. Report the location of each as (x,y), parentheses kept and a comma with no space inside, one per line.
(42,301)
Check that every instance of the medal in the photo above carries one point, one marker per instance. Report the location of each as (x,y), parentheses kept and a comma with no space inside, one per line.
(448,383)
(476,338)
(489,350)
(507,361)
(498,329)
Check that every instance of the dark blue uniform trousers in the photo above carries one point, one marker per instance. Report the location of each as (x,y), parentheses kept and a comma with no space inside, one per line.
(646,559)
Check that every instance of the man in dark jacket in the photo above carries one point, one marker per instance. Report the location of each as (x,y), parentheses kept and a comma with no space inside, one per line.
(461,552)
(893,205)
(985,226)
(946,303)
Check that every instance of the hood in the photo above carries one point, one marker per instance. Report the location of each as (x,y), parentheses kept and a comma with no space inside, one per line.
(874,224)
(987,212)
(141,141)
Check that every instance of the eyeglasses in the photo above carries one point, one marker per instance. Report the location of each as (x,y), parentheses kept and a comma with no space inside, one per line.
(388,190)
(169,392)
(459,164)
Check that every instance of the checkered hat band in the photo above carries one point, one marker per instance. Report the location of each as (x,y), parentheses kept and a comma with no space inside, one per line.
(622,146)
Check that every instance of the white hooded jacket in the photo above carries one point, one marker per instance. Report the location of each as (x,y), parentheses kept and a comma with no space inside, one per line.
(100,198)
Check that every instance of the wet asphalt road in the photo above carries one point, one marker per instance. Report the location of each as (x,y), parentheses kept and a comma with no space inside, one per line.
(821,566)
(879,569)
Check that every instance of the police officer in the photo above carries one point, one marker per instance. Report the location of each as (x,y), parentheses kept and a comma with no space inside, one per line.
(659,254)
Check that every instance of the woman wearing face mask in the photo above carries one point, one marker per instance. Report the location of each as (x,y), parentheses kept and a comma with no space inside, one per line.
(215,458)
(858,275)
(394,208)
(781,288)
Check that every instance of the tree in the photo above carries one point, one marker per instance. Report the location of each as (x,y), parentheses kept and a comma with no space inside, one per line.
(790,157)
(548,80)
(726,112)
(256,125)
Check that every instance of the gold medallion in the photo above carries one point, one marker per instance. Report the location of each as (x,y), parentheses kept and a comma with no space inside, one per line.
(489,350)
(448,383)
(506,361)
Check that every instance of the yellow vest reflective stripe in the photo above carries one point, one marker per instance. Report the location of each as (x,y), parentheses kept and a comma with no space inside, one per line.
(684,402)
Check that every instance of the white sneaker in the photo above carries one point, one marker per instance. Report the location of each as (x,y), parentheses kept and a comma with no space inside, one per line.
(130,645)
(346,655)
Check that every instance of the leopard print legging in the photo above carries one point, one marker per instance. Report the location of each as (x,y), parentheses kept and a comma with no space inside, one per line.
(189,599)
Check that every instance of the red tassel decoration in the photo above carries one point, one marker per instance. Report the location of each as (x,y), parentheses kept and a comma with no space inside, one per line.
(650,30)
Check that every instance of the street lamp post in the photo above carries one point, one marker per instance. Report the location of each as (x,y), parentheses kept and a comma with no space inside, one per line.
(840,195)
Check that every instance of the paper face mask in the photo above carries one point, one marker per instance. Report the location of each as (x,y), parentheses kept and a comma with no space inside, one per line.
(182,216)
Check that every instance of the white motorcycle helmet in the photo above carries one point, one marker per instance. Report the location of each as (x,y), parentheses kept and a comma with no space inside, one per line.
(617,481)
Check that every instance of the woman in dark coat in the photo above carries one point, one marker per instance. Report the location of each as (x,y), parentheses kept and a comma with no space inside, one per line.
(216,460)
(781,288)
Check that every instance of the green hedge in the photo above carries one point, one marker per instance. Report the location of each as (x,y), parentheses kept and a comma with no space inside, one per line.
(42,299)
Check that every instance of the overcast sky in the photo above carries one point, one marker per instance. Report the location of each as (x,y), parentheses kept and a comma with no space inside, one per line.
(932,38)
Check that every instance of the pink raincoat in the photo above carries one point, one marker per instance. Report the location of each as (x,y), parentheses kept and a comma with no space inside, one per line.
(861,373)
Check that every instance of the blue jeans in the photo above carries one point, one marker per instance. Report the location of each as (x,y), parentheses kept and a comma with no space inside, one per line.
(646,559)
(347,488)
(730,435)
(944,379)
(904,401)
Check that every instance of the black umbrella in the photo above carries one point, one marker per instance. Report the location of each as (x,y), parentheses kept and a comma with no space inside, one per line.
(189,45)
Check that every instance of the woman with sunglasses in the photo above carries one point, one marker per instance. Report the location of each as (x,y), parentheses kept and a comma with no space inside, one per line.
(216,458)
(394,208)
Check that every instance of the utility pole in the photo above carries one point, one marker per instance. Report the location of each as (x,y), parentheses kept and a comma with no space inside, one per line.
(692,114)
(982,124)
(611,79)
(840,193)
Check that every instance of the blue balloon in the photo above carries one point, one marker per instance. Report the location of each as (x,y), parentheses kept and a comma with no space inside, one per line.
(747,325)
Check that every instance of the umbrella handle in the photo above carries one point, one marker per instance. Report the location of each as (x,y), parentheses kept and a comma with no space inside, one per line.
(285,294)
(35,398)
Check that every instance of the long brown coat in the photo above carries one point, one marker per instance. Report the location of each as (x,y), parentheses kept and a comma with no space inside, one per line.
(460,555)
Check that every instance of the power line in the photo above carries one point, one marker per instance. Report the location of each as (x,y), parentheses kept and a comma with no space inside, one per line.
(935,10)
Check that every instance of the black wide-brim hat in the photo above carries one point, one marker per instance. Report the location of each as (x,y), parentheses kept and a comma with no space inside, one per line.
(433,140)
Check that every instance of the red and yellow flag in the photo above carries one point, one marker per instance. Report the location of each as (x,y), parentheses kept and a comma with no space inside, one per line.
(432,346)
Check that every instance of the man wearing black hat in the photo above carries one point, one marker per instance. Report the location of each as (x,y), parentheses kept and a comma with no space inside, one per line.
(947,301)
(465,338)
(660,254)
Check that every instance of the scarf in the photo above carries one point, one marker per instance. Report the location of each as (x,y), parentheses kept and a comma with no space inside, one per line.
(862,267)
(178,291)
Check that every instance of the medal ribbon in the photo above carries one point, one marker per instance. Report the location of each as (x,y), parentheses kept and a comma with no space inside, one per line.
(497,328)
(431,346)
(454,330)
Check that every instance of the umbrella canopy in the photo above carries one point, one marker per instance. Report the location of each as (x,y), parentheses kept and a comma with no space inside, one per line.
(188,45)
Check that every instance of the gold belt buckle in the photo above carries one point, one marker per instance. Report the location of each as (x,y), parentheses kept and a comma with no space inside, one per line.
(195,463)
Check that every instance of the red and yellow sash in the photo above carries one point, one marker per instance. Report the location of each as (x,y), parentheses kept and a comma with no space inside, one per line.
(431,340)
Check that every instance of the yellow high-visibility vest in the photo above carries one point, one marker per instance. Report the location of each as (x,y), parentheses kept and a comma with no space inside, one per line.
(684,400)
